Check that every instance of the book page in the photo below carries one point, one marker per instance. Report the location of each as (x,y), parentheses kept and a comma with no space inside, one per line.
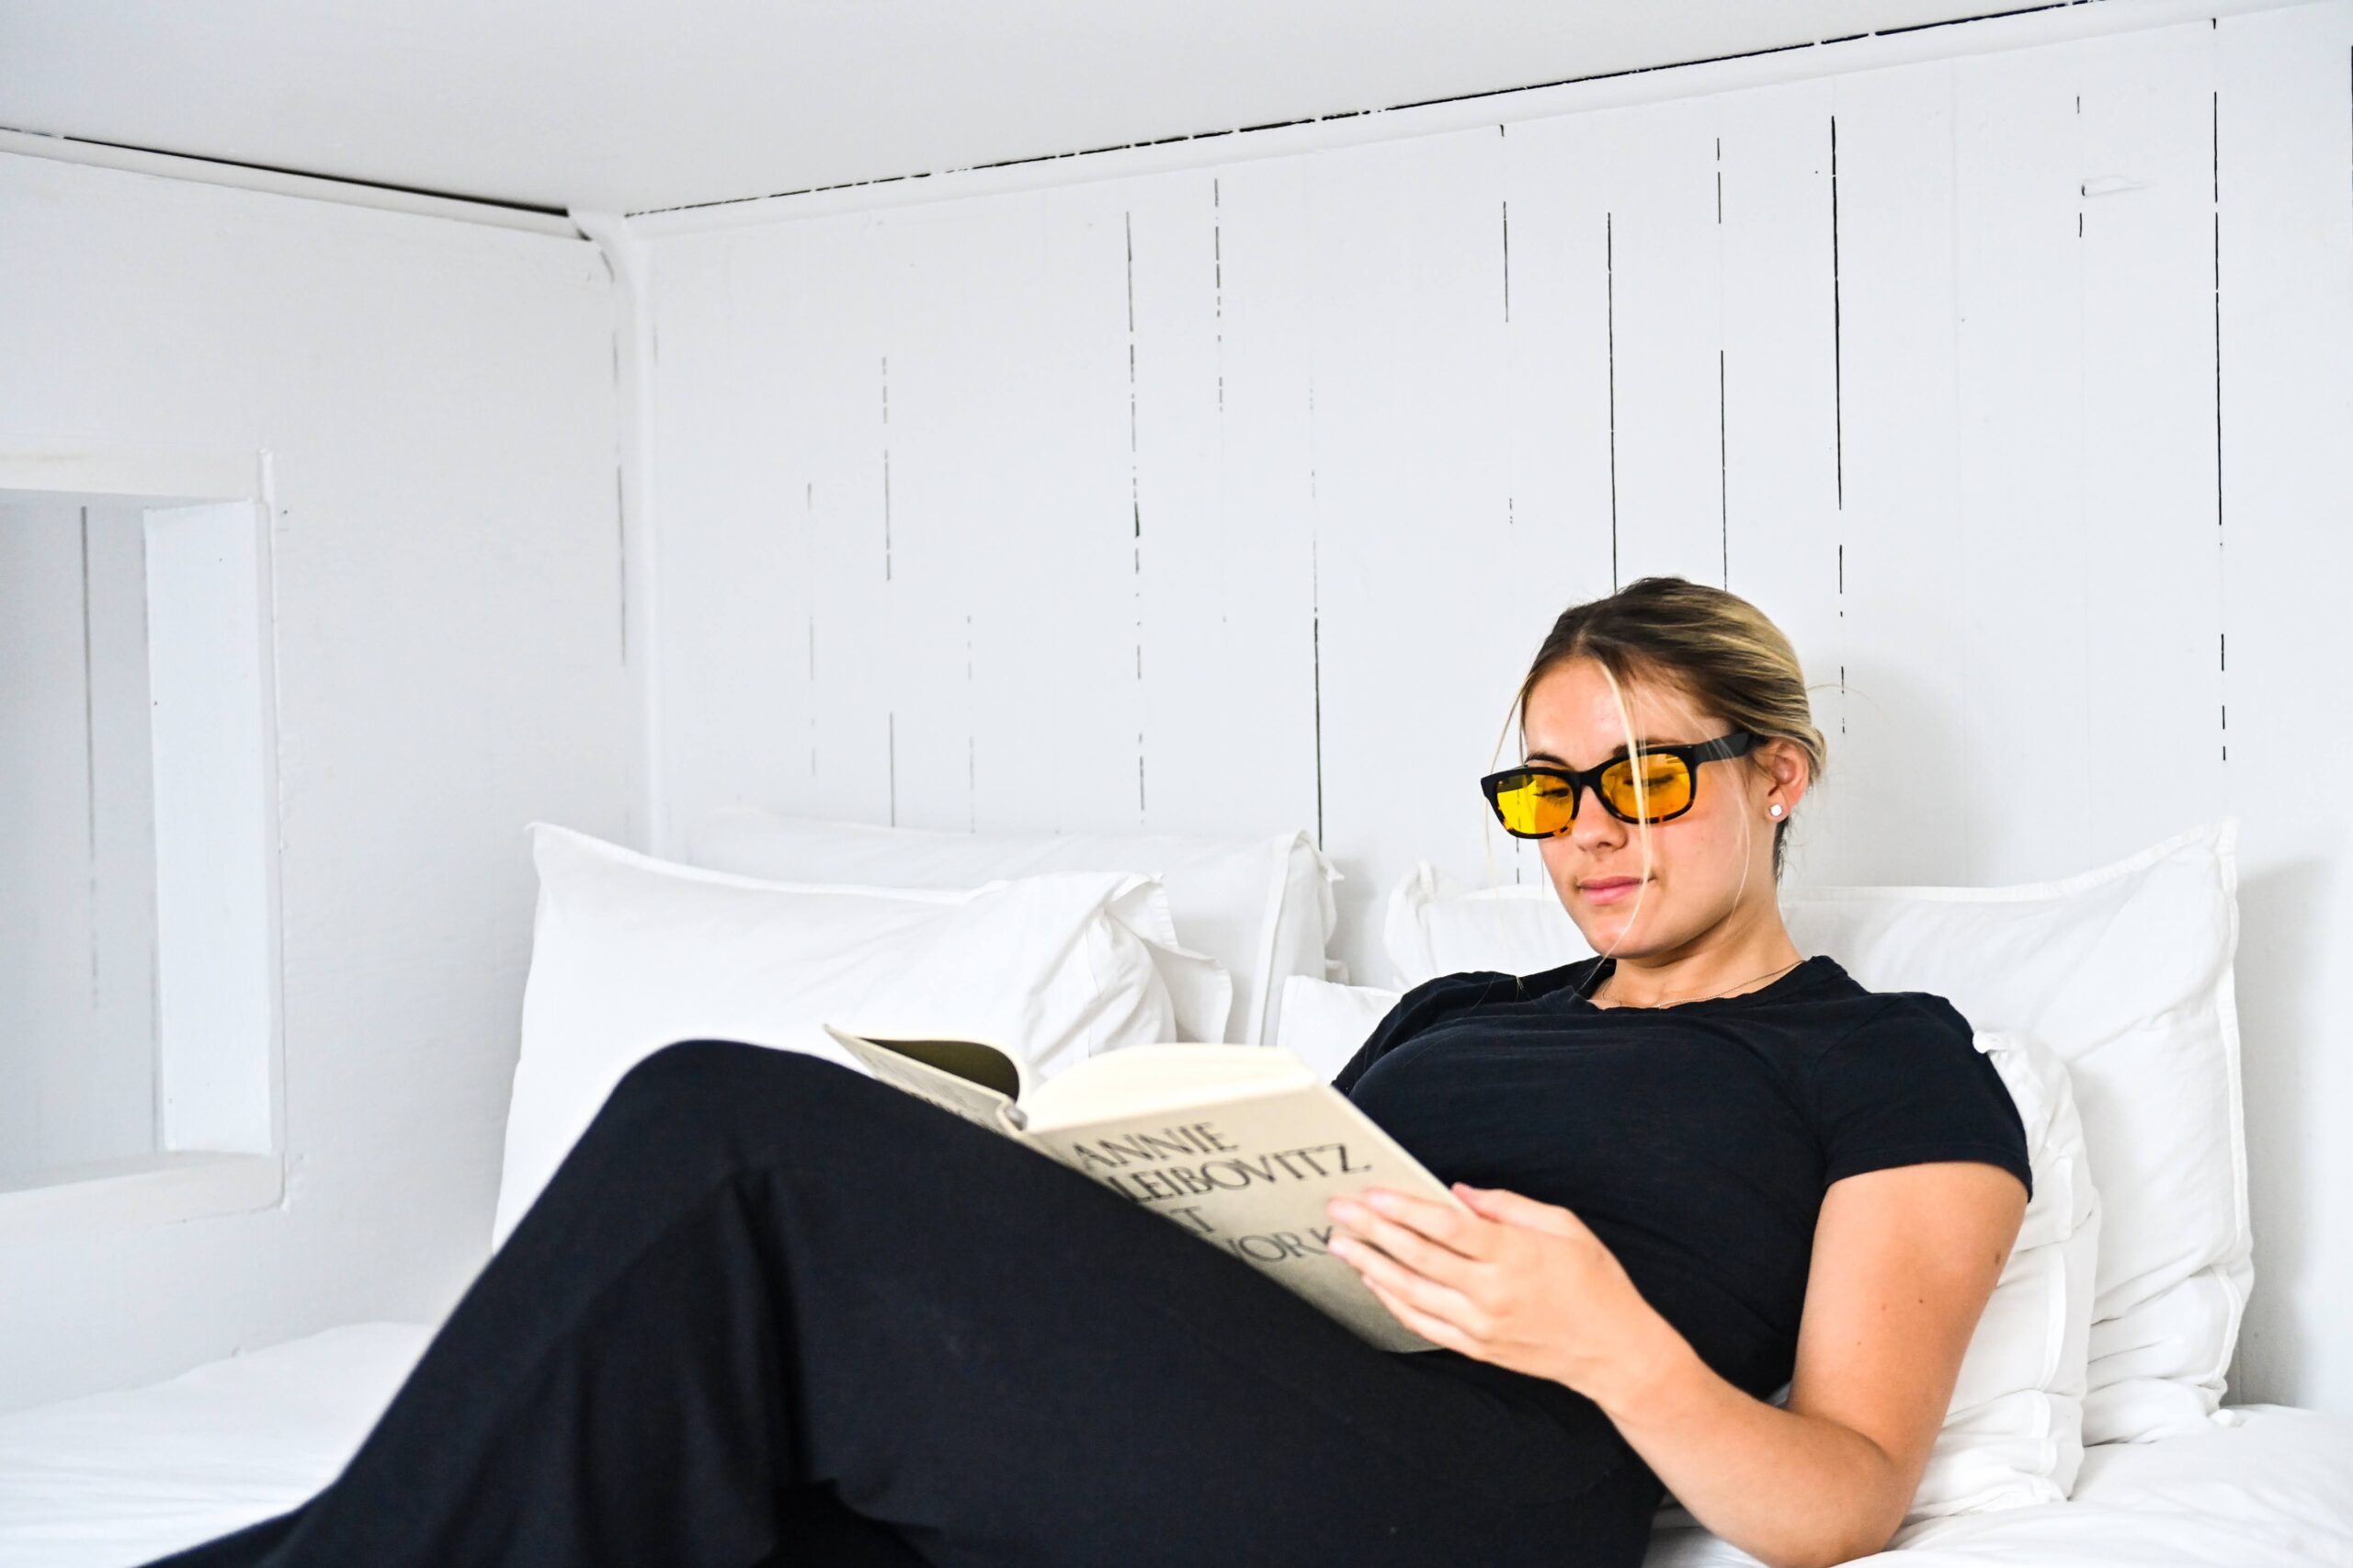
(908,1064)
(1251,1173)
(1138,1079)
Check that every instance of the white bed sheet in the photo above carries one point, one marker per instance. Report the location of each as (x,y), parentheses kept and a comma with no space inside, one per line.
(2274,1489)
(116,1479)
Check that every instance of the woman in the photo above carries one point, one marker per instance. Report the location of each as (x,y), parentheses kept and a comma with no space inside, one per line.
(772,1312)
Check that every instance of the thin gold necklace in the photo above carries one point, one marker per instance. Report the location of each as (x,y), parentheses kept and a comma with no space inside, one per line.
(1734,985)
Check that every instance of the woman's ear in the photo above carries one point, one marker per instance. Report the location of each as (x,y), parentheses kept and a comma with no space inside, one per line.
(1791,772)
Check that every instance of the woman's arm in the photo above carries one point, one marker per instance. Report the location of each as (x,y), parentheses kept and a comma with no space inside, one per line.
(1903,1261)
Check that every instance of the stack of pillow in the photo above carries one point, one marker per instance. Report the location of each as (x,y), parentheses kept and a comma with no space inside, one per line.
(2106,1000)
(1062,947)
(1262,907)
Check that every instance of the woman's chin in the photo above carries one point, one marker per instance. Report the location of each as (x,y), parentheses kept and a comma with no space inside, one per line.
(1613,924)
(1603,934)
(1614,929)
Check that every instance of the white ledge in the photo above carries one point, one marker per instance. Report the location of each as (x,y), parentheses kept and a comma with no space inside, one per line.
(144,1190)
(70,468)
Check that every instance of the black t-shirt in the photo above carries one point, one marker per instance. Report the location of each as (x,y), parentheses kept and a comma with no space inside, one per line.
(1695,1140)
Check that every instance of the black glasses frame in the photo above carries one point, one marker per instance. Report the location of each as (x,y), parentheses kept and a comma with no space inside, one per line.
(1728,745)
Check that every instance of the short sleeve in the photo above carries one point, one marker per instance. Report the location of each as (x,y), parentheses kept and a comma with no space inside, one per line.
(1910,1087)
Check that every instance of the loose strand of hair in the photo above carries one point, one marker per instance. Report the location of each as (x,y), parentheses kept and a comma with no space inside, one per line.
(1641,806)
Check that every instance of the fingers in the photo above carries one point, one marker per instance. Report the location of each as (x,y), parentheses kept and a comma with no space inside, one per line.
(1393,1280)
(1436,1330)
(1465,1235)
(1394,1240)
(1518,1208)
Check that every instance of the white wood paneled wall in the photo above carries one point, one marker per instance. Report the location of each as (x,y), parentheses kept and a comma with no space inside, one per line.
(1239,498)
(2018,387)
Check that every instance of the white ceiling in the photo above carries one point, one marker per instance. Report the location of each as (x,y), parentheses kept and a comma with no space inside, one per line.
(631,105)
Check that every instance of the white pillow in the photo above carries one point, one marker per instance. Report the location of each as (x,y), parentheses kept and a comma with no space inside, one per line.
(630,953)
(1326,1023)
(2125,971)
(1262,907)
(1437,923)
(2012,1432)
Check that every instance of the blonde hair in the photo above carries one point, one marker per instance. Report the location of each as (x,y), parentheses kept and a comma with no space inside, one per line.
(1721,650)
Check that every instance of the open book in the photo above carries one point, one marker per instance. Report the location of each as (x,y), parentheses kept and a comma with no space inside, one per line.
(1241,1144)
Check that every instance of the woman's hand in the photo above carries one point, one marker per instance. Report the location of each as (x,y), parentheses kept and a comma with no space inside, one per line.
(1517,1283)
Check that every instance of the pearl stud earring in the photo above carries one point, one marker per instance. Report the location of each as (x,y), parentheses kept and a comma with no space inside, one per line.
(1777,808)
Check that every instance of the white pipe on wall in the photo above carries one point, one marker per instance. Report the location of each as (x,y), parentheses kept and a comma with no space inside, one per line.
(627,258)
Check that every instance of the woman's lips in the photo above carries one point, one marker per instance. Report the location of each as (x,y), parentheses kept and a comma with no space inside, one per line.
(1609,890)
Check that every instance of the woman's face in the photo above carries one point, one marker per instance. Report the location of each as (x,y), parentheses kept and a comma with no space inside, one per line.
(1714,859)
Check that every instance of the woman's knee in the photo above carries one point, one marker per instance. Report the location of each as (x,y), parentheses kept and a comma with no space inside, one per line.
(722,1072)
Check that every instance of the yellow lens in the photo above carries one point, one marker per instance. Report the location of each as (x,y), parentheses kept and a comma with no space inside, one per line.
(1535,803)
(1667,784)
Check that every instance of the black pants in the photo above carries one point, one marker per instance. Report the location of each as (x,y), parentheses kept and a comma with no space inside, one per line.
(770,1310)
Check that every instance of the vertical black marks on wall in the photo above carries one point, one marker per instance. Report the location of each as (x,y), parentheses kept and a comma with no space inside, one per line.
(1837,336)
(1609,311)
(1314,611)
(2214,131)
(2214,122)
(1316,643)
(1506,260)
(1217,269)
(1136,491)
(2079,188)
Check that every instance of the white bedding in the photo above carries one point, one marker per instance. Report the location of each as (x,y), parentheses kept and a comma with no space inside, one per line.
(2274,1491)
(116,1479)
(125,1477)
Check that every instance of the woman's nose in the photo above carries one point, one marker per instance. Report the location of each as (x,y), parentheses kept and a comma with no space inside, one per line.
(1587,815)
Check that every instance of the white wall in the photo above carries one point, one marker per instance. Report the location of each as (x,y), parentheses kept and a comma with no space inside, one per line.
(439,399)
(1236,498)
(77,843)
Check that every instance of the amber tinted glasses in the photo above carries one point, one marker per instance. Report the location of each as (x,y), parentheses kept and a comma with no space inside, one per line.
(1538,802)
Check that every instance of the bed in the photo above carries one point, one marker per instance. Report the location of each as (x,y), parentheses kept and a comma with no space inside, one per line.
(2120,1353)
(121,1478)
